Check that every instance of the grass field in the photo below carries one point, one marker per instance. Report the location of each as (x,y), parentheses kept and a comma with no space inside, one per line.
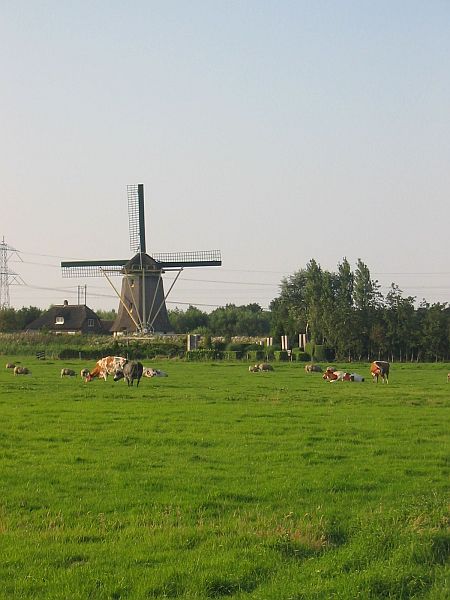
(219,483)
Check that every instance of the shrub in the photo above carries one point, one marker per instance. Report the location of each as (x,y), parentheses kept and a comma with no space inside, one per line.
(301,356)
(255,355)
(202,354)
(281,355)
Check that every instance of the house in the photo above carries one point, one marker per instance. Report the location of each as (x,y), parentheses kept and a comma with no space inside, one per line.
(70,319)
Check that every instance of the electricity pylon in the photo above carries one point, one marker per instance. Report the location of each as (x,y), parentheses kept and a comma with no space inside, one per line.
(7,277)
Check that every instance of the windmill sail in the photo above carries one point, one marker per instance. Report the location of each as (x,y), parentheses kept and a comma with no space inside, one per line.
(136,218)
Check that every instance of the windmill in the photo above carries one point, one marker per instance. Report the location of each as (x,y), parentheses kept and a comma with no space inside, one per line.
(142,306)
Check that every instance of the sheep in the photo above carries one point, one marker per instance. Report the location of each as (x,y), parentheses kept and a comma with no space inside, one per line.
(68,373)
(22,371)
(313,369)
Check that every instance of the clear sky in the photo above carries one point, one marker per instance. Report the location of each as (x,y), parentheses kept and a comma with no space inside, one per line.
(276,131)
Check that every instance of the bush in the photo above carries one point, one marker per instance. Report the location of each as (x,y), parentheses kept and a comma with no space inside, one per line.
(202,354)
(255,355)
(301,356)
(281,355)
(232,354)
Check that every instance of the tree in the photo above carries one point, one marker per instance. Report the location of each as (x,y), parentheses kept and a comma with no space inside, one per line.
(399,321)
(313,297)
(188,321)
(366,299)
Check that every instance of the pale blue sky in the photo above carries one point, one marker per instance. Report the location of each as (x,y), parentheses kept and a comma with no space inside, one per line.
(274,131)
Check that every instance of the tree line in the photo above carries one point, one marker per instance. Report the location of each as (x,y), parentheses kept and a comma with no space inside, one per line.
(344,311)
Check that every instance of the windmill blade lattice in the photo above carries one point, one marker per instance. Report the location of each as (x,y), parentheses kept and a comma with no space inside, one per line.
(136,219)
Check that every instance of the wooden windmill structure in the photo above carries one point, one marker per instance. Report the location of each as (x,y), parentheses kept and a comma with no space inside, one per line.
(142,307)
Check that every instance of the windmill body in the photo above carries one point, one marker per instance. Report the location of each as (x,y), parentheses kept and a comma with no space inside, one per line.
(142,306)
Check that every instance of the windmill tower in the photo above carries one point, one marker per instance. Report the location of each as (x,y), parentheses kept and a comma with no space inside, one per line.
(142,307)
(7,277)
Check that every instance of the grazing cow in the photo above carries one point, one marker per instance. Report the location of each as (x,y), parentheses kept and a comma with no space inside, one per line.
(21,371)
(380,368)
(313,369)
(106,366)
(68,373)
(10,366)
(130,371)
(149,372)
(84,373)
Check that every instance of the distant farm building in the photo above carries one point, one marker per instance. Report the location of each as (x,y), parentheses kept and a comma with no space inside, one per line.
(69,319)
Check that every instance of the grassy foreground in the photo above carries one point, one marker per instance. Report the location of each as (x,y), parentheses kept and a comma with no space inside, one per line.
(219,483)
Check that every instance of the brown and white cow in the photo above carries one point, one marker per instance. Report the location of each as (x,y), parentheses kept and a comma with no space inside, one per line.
(332,375)
(380,368)
(106,366)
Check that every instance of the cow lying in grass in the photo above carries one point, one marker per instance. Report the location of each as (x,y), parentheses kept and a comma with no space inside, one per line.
(332,375)
(130,371)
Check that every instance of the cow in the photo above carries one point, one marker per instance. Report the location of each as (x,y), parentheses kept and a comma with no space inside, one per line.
(149,372)
(448,377)
(22,371)
(106,366)
(332,375)
(130,371)
(84,373)
(380,368)
(313,369)
(68,373)
(10,366)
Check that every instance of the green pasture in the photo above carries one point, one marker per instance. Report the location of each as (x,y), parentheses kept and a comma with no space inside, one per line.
(219,483)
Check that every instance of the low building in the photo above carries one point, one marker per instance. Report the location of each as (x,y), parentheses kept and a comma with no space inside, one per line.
(69,319)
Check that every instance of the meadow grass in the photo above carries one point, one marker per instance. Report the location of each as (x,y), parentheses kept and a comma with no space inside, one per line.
(219,483)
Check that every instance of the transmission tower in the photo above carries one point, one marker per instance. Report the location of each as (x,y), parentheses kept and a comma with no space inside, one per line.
(7,277)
